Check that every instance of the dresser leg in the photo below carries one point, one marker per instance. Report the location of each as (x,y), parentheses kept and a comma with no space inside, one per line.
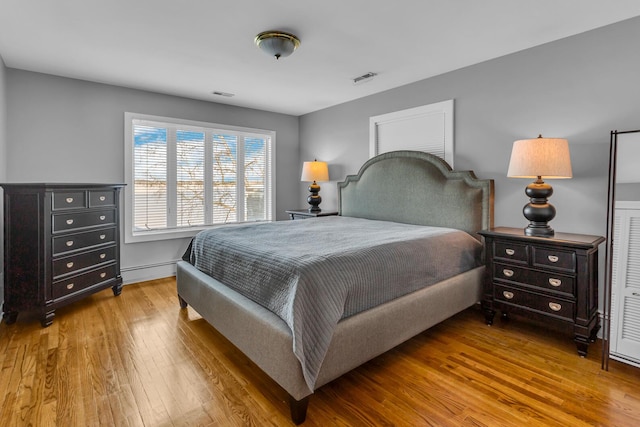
(488,316)
(10,317)
(117,289)
(47,318)
(583,346)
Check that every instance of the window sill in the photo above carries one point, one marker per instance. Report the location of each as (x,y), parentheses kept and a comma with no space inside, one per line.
(171,234)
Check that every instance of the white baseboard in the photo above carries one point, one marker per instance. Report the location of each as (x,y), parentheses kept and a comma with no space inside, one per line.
(142,273)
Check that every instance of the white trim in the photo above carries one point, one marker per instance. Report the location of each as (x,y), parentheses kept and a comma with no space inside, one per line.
(144,273)
(627,205)
(442,112)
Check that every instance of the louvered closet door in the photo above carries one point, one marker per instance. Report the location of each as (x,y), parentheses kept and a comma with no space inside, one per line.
(625,333)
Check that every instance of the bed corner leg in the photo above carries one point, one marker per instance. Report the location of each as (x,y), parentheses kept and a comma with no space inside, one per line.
(183,303)
(298,409)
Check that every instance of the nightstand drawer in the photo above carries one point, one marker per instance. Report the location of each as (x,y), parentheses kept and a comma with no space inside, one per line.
(532,301)
(553,258)
(534,278)
(514,252)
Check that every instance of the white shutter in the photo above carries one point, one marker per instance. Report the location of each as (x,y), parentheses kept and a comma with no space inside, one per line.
(625,336)
(150,181)
(225,178)
(428,128)
(190,187)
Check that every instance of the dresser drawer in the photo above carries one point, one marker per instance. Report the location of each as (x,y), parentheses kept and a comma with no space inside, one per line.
(69,265)
(78,241)
(532,301)
(76,220)
(82,281)
(544,280)
(553,258)
(73,199)
(98,198)
(515,252)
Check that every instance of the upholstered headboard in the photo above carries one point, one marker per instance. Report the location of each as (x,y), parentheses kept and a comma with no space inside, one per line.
(417,188)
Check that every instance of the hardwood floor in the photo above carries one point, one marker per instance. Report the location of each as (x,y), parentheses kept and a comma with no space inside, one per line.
(139,360)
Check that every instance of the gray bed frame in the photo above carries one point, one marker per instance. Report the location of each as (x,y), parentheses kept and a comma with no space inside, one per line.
(402,186)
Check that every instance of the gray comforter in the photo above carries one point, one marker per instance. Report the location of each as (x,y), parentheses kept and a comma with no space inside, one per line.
(314,272)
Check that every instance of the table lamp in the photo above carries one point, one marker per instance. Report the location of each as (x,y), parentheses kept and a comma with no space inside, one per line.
(314,171)
(540,158)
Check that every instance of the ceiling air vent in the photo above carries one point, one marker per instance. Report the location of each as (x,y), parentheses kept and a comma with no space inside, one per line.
(364,78)
(225,94)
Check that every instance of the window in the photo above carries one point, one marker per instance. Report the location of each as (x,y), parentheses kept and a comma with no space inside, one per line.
(183,176)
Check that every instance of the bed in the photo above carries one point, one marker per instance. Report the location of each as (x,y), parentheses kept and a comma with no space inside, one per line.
(401,192)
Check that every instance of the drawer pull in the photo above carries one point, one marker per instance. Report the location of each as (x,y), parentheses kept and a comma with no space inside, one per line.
(552,258)
(103,236)
(102,217)
(69,243)
(69,264)
(555,306)
(69,221)
(555,282)
(507,294)
(510,251)
(69,199)
(103,198)
(103,256)
(507,272)
(635,294)
(103,275)
(70,286)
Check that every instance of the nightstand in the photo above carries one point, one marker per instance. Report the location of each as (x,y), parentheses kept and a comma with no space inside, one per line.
(304,214)
(553,279)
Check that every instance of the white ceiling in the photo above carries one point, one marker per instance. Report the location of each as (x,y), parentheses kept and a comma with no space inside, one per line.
(191,48)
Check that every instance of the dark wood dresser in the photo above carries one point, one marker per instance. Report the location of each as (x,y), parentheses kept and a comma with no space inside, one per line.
(61,243)
(554,279)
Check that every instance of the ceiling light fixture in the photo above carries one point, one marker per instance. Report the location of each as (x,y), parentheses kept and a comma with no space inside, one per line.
(277,43)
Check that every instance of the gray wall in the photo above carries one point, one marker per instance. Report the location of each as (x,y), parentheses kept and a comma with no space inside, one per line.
(628,192)
(65,130)
(579,88)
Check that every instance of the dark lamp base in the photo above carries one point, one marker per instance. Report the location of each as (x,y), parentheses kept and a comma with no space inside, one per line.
(539,231)
(314,198)
(538,211)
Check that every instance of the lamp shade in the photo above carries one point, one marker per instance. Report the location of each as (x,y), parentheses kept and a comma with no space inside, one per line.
(540,157)
(315,171)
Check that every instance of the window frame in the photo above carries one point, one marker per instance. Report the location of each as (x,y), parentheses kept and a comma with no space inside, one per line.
(132,236)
